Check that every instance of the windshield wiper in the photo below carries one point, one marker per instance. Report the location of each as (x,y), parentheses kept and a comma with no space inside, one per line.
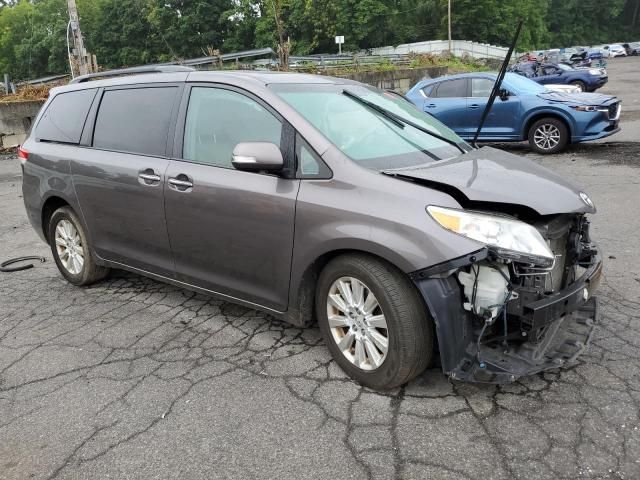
(399,120)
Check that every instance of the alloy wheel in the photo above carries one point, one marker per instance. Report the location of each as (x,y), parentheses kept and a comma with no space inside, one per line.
(357,323)
(69,246)
(546,136)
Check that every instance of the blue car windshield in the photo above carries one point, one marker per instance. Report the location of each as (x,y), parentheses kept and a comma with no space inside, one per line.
(522,85)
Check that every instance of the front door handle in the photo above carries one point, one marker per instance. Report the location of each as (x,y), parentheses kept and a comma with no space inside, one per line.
(430,105)
(181,183)
(474,106)
(148,177)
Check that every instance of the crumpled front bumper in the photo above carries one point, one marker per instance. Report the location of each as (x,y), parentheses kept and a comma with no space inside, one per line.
(569,318)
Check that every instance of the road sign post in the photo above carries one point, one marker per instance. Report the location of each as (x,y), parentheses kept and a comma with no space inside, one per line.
(340,41)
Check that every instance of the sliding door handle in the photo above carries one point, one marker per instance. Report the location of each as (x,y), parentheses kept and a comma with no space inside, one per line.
(181,183)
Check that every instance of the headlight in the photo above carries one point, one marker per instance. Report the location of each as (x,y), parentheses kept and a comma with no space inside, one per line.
(594,71)
(589,108)
(508,238)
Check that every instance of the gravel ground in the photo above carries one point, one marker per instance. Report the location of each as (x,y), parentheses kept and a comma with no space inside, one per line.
(135,379)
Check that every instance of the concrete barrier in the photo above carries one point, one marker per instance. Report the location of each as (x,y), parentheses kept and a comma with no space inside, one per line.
(400,80)
(15,121)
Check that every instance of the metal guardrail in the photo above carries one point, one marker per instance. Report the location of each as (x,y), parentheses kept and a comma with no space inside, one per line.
(400,55)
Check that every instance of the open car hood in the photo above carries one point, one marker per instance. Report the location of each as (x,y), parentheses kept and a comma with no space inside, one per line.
(583,98)
(491,176)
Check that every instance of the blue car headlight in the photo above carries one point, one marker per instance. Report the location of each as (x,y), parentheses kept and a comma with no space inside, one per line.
(589,108)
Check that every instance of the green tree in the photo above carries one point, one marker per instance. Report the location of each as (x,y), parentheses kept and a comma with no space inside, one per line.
(32,38)
(494,21)
(586,22)
(188,27)
(241,33)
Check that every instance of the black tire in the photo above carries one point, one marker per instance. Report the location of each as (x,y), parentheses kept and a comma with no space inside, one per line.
(90,271)
(581,85)
(409,327)
(551,125)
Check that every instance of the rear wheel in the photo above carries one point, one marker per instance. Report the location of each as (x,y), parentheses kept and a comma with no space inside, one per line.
(373,321)
(580,85)
(548,135)
(71,250)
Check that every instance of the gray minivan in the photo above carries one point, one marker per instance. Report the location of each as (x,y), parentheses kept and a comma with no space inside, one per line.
(318,199)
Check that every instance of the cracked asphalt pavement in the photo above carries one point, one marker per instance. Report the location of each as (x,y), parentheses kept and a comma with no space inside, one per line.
(131,378)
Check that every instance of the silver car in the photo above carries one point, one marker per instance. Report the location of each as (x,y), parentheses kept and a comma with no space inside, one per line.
(318,199)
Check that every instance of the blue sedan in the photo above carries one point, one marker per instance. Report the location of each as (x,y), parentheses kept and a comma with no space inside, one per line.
(587,79)
(525,110)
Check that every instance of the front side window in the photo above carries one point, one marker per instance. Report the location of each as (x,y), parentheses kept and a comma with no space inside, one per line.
(65,116)
(135,120)
(365,135)
(481,87)
(219,119)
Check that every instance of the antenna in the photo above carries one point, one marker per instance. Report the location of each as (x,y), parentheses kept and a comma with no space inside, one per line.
(496,86)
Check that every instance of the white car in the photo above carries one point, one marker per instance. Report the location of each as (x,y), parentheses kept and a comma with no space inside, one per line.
(612,51)
(563,88)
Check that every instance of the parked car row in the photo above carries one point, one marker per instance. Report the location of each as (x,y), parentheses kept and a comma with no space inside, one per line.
(594,52)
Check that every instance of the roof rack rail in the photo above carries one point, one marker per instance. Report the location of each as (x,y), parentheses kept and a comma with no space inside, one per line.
(133,71)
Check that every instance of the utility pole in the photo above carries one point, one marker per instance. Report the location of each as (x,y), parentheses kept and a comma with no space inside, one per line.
(449,21)
(80,53)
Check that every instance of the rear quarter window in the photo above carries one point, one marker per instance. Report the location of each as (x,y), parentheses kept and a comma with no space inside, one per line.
(135,120)
(64,117)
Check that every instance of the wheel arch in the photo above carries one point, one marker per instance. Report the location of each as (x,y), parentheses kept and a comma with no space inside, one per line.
(50,205)
(540,114)
(302,292)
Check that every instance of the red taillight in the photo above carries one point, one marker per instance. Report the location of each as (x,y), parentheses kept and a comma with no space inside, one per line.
(23,155)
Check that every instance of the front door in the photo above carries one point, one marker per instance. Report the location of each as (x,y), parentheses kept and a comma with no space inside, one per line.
(119,178)
(230,231)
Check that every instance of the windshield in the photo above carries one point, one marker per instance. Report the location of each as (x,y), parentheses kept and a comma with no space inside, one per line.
(365,135)
(564,67)
(521,85)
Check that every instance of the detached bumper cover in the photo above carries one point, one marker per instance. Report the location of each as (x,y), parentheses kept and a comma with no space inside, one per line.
(569,318)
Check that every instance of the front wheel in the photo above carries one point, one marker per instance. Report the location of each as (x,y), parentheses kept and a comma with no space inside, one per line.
(548,135)
(373,321)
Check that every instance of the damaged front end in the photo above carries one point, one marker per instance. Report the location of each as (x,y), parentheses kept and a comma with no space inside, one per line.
(500,317)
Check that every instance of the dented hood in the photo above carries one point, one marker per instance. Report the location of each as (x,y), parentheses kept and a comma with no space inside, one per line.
(489,175)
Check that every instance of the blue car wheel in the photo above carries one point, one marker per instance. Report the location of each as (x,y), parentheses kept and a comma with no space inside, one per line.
(548,135)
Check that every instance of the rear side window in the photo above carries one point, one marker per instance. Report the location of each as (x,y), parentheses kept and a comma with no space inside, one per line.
(65,116)
(452,88)
(135,120)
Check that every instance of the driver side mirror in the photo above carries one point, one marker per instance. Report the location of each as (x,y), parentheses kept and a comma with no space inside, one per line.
(257,157)
(503,94)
